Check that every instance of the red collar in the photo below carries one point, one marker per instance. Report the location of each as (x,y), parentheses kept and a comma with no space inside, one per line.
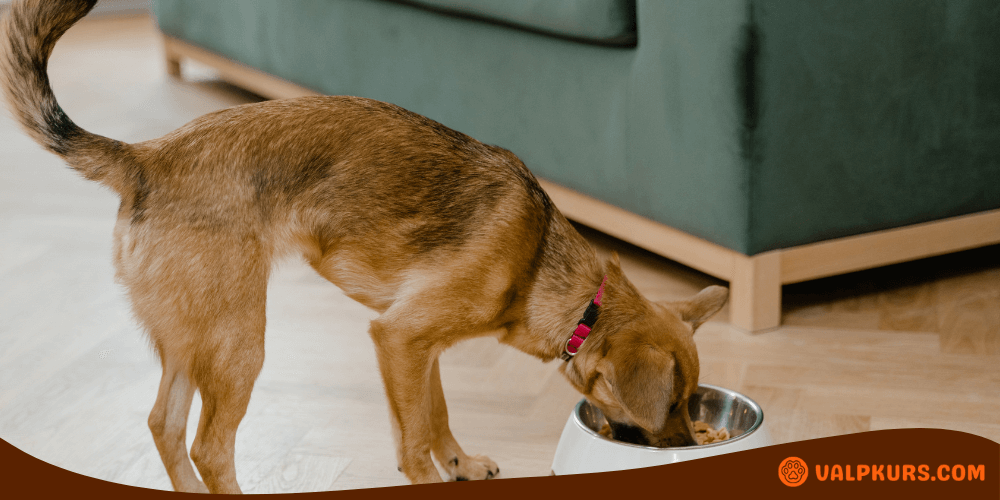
(585,325)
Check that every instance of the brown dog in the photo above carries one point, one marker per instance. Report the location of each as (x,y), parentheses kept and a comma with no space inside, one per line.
(446,237)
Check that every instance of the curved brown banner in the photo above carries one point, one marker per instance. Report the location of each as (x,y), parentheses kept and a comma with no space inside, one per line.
(902,463)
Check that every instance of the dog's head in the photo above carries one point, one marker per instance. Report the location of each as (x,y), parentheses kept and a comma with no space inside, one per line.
(644,365)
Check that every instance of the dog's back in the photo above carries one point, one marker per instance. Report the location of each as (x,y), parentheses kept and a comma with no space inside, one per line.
(328,177)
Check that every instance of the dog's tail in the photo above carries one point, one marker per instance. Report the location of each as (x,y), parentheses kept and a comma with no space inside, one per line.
(28,32)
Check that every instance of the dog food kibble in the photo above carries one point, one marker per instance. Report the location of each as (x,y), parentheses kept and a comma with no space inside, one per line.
(705,434)
(605,431)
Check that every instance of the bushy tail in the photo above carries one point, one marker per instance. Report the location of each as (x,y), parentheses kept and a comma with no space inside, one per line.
(28,32)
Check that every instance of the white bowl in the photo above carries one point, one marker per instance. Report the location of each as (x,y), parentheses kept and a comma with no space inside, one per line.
(582,450)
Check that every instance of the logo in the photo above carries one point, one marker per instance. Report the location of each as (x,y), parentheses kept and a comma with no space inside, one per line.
(793,471)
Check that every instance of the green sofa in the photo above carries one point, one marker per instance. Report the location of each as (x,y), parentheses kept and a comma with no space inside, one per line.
(743,127)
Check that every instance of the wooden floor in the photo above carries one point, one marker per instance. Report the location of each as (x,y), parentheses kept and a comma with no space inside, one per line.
(916,345)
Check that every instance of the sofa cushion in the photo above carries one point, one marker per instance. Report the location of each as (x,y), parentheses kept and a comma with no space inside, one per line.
(610,22)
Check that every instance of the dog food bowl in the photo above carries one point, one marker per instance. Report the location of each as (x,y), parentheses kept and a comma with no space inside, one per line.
(582,450)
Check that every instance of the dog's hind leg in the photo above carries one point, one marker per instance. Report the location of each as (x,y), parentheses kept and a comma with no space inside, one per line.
(449,454)
(168,423)
(201,296)
(225,369)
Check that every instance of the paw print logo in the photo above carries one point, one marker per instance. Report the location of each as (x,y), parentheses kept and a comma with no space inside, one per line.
(793,471)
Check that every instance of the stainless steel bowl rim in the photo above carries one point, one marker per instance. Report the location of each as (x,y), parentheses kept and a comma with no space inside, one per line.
(753,404)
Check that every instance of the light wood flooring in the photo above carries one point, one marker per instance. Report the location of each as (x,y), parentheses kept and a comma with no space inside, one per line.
(915,345)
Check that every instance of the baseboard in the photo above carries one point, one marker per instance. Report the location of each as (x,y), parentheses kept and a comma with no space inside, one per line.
(249,78)
(891,246)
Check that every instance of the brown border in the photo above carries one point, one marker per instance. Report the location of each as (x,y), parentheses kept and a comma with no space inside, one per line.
(746,474)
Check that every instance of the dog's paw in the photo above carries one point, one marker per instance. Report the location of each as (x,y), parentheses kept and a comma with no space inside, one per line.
(472,468)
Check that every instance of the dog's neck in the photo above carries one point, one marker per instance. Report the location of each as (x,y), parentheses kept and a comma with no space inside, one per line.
(567,276)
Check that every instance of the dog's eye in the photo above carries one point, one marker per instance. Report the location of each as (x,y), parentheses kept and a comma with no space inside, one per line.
(674,406)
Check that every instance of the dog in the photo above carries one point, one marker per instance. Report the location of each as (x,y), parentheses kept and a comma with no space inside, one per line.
(445,237)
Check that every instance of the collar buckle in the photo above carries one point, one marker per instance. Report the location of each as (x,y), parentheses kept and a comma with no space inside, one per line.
(566,354)
(584,326)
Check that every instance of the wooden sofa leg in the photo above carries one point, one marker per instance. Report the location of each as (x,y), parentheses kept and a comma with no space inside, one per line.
(173,65)
(755,292)
(172,57)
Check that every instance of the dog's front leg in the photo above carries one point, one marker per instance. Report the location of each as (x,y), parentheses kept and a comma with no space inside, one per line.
(405,363)
(449,454)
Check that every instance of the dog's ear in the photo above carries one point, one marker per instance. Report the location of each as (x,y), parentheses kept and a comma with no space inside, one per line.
(643,383)
(702,306)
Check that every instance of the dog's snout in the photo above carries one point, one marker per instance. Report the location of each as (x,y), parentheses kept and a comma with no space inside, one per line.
(627,433)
